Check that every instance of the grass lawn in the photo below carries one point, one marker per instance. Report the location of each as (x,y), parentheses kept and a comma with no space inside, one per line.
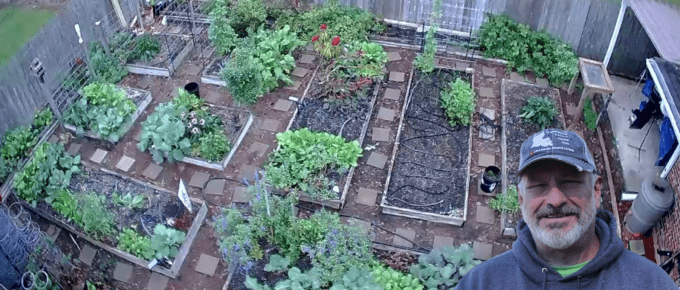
(17,25)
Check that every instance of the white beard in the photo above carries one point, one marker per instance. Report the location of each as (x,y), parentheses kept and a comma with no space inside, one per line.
(555,238)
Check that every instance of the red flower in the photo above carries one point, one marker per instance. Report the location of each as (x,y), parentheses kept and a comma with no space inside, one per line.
(360,53)
(336,41)
(323,27)
(315,38)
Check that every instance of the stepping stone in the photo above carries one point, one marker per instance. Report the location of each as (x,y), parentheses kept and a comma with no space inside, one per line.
(157,282)
(543,83)
(240,195)
(53,232)
(99,156)
(515,76)
(441,242)
(87,255)
(488,112)
(486,160)
(282,105)
(386,114)
(248,172)
(193,70)
(213,97)
(145,82)
(215,186)
(393,56)
(365,225)
(482,250)
(307,58)
(259,148)
(572,110)
(637,246)
(310,46)
(380,134)
(175,29)
(408,234)
(377,160)
(152,171)
(207,264)
(486,92)
(53,139)
(509,232)
(489,71)
(397,76)
(123,272)
(300,72)
(125,163)
(294,87)
(392,94)
(485,215)
(74,148)
(462,65)
(367,196)
(198,179)
(270,125)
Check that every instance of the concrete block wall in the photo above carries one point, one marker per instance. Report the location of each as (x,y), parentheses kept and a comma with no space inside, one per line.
(666,232)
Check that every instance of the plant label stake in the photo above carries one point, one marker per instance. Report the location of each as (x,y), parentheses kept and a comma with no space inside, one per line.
(183,196)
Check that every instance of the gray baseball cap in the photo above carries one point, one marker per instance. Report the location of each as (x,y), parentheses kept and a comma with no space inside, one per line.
(555,144)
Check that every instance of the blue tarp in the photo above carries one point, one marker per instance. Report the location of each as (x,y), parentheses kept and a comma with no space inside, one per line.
(667,142)
(647,89)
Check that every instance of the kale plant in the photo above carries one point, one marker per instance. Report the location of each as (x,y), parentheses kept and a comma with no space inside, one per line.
(296,280)
(443,269)
(165,241)
(540,111)
(163,133)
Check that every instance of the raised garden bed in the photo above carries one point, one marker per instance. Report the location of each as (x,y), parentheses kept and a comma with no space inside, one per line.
(173,51)
(515,131)
(140,98)
(348,121)
(159,205)
(236,124)
(211,74)
(414,187)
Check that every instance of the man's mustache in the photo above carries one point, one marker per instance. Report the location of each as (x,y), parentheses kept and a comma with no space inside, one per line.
(562,210)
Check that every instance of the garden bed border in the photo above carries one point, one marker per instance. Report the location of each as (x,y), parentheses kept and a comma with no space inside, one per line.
(212,79)
(182,253)
(5,188)
(223,164)
(167,71)
(416,214)
(127,125)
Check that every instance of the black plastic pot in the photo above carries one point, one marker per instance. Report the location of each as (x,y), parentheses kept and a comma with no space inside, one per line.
(490,179)
(192,88)
(158,8)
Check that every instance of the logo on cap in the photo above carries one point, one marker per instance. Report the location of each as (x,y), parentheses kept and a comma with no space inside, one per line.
(540,140)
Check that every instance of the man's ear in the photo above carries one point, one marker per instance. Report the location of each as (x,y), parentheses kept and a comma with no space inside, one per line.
(597,191)
(519,193)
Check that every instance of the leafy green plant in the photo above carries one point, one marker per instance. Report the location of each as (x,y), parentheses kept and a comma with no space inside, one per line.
(131,241)
(67,205)
(305,158)
(390,279)
(98,221)
(589,115)
(296,280)
(364,59)
(41,120)
(273,53)
(277,263)
(507,201)
(220,32)
(18,143)
(425,61)
(107,68)
(163,133)
(243,77)
(458,102)
(443,269)
(130,201)
(165,241)
(46,174)
(6,168)
(326,44)
(356,279)
(214,146)
(245,15)
(502,37)
(146,48)
(540,111)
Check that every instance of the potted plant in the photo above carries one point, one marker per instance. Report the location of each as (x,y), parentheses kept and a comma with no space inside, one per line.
(490,179)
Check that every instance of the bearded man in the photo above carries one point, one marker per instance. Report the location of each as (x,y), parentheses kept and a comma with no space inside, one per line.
(564,240)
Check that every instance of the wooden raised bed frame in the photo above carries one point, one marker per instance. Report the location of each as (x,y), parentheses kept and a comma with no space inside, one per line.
(162,71)
(415,214)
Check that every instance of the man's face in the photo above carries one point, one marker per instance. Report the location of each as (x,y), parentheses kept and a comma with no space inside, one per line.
(558,202)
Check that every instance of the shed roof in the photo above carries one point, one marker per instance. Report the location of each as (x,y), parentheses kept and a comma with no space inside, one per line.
(661,21)
(668,79)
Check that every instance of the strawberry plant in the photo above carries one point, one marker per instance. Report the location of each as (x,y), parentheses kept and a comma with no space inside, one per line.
(540,111)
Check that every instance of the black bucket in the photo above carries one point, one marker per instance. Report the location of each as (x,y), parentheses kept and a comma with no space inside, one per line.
(490,179)
(192,88)
(158,8)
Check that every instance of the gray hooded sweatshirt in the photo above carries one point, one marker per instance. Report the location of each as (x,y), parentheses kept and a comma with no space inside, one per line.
(613,267)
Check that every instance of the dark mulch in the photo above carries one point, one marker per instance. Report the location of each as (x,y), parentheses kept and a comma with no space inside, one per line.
(233,121)
(401,261)
(427,139)
(215,67)
(257,270)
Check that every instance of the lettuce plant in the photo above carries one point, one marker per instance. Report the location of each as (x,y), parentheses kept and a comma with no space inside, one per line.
(163,133)
(443,269)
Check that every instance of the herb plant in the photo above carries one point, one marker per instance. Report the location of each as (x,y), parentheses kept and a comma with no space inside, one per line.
(98,221)
(163,133)
(305,158)
(589,115)
(131,241)
(364,59)
(243,77)
(443,269)
(165,241)
(507,201)
(458,102)
(540,111)
(390,279)
(214,146)
(146,48)
(18,143)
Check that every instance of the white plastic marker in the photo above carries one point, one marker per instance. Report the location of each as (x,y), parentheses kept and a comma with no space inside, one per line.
(80,37)
(183,196)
